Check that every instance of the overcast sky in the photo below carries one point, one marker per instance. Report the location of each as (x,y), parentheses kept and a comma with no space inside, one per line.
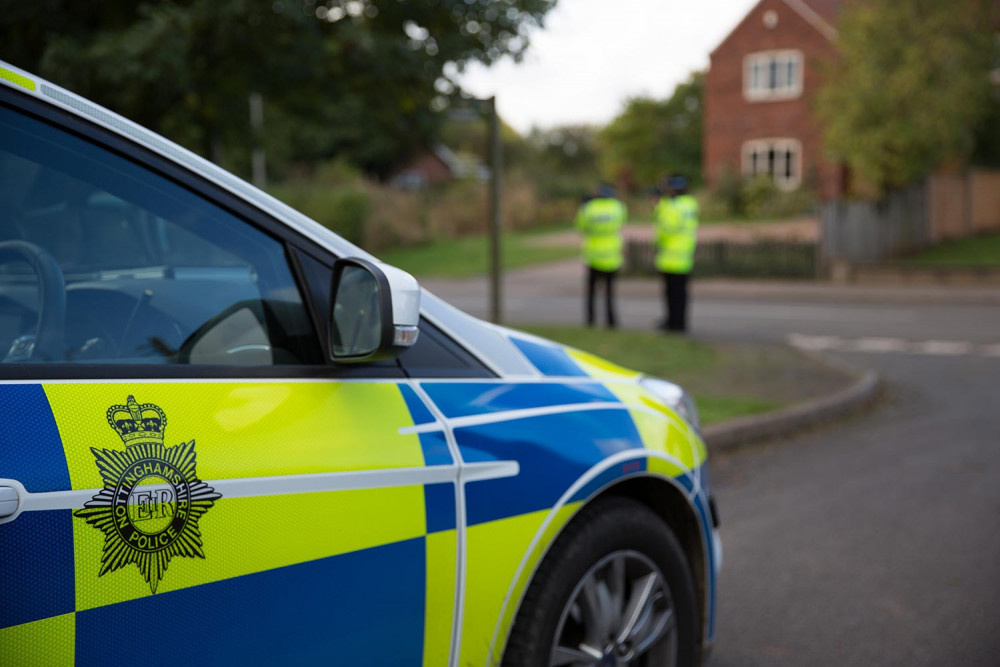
(593,55)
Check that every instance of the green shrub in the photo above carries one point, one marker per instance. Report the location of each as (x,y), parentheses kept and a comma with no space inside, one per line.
(378,216)
(756,198)
(557,185)
(337,172)
(342,209)
(713,207)
(556,212)
(729,191)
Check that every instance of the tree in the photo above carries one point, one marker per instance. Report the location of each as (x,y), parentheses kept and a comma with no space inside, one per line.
(987,143)
(357,79)
(567,148)
(561,161)
(651,138)
(469,135)
(908,87)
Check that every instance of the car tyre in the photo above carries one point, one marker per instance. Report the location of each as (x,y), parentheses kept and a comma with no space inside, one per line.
(614,580)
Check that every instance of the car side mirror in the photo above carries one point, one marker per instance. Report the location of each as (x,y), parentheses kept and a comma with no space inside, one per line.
(374,311)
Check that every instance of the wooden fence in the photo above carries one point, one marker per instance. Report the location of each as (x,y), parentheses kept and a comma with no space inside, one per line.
(947,205)
(759,259)
(869,231)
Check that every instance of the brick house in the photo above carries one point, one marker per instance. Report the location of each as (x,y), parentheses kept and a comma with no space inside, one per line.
(436,166)
(759,94)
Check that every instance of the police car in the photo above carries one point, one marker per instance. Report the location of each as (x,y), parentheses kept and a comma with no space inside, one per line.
(229,436)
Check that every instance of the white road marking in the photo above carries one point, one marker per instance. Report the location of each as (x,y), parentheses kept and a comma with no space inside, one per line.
(815,343)
(881,345)
(947,348)
(839,315)
(878,345)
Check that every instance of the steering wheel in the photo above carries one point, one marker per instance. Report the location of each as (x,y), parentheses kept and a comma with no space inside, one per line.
(46,344)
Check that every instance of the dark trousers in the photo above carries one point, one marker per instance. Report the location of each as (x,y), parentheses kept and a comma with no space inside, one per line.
(675,296)
(608,278)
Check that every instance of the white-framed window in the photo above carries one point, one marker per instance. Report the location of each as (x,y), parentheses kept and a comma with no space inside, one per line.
(772,75)
(781,159)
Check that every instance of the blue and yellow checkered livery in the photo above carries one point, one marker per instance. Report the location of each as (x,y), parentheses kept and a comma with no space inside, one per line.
(350,522)
(302,576)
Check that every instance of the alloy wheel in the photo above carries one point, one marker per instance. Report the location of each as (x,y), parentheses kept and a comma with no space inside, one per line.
(620,613)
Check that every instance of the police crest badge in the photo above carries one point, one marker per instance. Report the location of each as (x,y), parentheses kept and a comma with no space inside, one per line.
(152,498)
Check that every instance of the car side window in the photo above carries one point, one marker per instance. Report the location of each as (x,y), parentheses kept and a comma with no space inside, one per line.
(103,261)
(435,355)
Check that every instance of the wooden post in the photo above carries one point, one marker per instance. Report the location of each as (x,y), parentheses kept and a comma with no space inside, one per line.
(496,164)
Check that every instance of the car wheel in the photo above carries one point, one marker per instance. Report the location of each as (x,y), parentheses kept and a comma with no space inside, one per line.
(614,590)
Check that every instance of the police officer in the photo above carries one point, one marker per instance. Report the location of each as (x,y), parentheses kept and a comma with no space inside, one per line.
(600,220)
(676,235)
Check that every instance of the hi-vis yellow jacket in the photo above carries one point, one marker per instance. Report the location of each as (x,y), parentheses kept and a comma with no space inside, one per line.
(600,220)
(676,233)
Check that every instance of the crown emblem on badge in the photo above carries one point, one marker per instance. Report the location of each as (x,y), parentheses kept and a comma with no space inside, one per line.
(136,423)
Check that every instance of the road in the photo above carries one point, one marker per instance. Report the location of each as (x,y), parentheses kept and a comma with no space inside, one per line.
(872,542)
(764,311)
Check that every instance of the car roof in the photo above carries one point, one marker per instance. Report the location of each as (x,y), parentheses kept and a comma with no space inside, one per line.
(490,343)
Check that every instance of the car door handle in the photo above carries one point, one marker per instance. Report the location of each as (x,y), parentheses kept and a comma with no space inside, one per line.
(8,501)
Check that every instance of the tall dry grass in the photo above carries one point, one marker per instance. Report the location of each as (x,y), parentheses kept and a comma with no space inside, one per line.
(378,216)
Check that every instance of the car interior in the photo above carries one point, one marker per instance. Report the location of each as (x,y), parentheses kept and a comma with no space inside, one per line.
(90,275)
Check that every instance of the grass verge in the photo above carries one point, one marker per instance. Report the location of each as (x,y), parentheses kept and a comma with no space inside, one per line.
(717,409)
(468,256)
(726,380)
(978,251)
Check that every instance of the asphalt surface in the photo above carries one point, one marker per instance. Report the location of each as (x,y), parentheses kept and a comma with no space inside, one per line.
(746,310)
(875,541)
(765,312)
